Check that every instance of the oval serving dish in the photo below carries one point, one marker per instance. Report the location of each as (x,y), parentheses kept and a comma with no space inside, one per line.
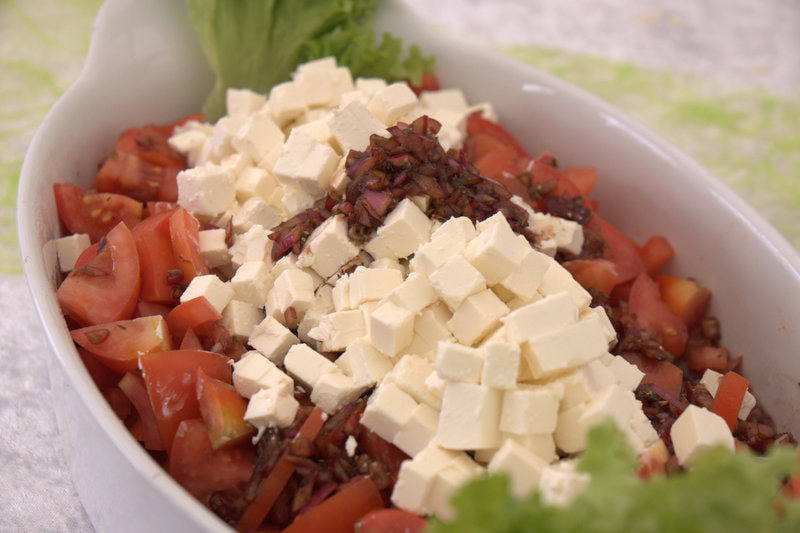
(144,65)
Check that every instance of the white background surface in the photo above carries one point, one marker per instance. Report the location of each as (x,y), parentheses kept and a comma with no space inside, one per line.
(738,41)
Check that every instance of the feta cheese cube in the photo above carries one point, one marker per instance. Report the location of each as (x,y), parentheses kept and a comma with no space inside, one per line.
(410,374)
(306,163)
(364,363)
(570,433)
(341,294)
(500,365)
(252,282)
(456,280)
(599,314)
(254,372)
(567,234)
(388,410)
(696,430)
(557,279)
(334,390)
(271,408)
(372,284)
(242,102)
(392,102)
(416,478)
(328,247)
(529,410)
(255,211)
(287,102)
(477,316)
(495,252)
(541,444)
(549,314)
(352,124)
(433,254)
(459,229)
(257,136)
(566,348)
(629,376)
(524,281)
(391,328)
(444,98)
(217,292)
(469,417)
(272,339)
(369,86)
(213,247)
(388,262)
(415,293)
(523,467)
(294,288)
(337,330)
(612,402)
(306,365)
(456,362)
(206,191)
(710,381)
(561,482)
(69,248)
(419,430)
(445,484)
(239,317)
(405,228)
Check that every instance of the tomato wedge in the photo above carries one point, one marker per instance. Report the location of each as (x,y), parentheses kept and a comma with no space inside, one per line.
(476,124)
(686,298)
(118,345)
(94,213)
(652,314)
(170,378)
(156,259)
(184,231)
(655,253)
(196,314)
(391,521)
(729,397)
(584,178)
(200,469)
(340,512)
(134,388)
(700,358)
(130,174)
(107,287)
(598,274)
(222,409)
(661,373)
(620,250)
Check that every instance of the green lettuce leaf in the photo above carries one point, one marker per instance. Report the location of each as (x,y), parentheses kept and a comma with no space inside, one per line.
(723,492)
(256,44)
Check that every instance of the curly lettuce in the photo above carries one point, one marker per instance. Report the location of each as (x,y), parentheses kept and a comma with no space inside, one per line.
(256,44)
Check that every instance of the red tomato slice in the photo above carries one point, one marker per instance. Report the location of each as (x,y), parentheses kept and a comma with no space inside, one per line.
(700,358)
(729,397)
(190,341)
(106,288)
(160,273)
(661,373)
(151,309)
(382,451)
(184,231)
(598,274)
(150,144)
(427,83)
(340,512)
(655,253)
(686,298)
(504,166)
(543,172)
(131,174)
(134,388)
(196,314)
(481,144)
(620,250)
(391,521)
(200,469)
(118,345)
(154,208)
(170,378)
(584,178)
(476,124)
(652,314)
(222,409)
(94,213)
(103,376)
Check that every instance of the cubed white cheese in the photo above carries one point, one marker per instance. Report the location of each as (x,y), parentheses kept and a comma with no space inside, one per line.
(445,484)
(524,281)
(444,98)
(287,102)
(469,417)
(601,316)
(529,410)
(328,247)
(392,102)
(459,229)
(456,280)
(388,262)
(523,467)
(418,431)
(217,292)
(341,294)
(364,363)
(206,191)
(242,102)
(271,408)
(306,365)
(213,247)
(240,318)
(294,288)
(433,254)
(334,390)
(416,478)
(549,314)
(352,125)
(542,444)
(710,381)
(456,362)
(612,402)
(255,211)
(378,249)
(561,482)
(405,228)
(254,372)
(337,330)
(252,282)
(388,410)
(410,374)
(628,375)
(257,136)
(372,284)
(567,234)
(306,163)
(696,430)
(391,328)
(566,348)
(477,316)
(557,279)
(495,252)
(272,339)
(69,248)
(570,433)
(500,365)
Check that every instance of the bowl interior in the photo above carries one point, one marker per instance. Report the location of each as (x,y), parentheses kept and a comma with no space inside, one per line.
(144,65)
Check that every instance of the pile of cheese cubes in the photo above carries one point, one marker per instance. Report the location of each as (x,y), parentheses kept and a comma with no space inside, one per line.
(480,351)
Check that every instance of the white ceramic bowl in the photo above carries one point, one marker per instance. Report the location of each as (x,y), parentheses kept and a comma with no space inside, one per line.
(144,65)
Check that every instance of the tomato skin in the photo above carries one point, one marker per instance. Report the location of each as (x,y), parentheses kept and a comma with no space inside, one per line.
(118,345)
(652,314)
(103,376)
(199,468)
(729,397)
(503,165)
(655,253)
(94,213)
(391,521)
(476,124)
(130,174)
(184,232)
(661,373)
(620,250)
(686,298)
(340,512)
(134,388)
(170,378)
(196,314)
(700,358)
(156,258)
(598,274)
(584,178)
(107,287)
(222,410)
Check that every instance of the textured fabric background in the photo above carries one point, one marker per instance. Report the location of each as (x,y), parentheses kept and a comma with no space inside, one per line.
(720,78)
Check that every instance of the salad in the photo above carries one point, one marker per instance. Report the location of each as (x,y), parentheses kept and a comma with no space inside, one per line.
(404,244)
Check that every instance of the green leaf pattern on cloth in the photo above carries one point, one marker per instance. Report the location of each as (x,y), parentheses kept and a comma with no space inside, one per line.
(747,136)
